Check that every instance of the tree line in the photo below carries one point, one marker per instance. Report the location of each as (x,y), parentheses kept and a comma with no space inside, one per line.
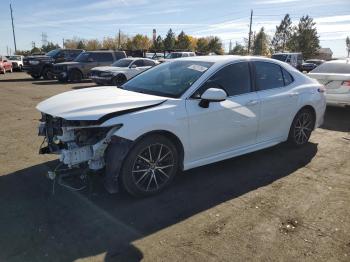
(302,38)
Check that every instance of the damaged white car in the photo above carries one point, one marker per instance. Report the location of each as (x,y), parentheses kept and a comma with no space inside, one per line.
(180,115)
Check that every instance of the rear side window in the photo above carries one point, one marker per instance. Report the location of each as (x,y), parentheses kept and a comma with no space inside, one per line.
(333,68)
(268,76)
(119,55)
(234,79)
(148,63)
(139,63)
(102,57)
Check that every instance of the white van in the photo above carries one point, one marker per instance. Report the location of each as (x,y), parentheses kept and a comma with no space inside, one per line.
(294,59)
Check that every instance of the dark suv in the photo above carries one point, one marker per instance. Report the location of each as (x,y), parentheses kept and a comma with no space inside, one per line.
(41,65)
(80,68)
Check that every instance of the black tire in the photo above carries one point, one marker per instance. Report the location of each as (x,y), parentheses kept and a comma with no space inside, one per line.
(75,76)
(118,80)
(141,178)
(47,74)
(35,76)
(62,79)
(302,127)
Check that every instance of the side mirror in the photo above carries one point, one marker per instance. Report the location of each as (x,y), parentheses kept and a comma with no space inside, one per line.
(133,66)
(212,95)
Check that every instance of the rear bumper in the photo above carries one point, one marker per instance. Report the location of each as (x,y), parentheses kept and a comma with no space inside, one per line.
(338,99)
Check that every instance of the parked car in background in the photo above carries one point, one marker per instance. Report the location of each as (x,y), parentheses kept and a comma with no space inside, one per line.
(335,76)
(181,114)
(42,65)
(174,55)
(155,56)
(5,65)
(120,71)
(294,59)
(311,64)
(17,61)
(80,68)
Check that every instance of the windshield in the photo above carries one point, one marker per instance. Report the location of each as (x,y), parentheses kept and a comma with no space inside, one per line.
(282,58)
(14,58)
(52,53)
(122,63)
(173,55)
(333,68)
(83,57)
(170,79)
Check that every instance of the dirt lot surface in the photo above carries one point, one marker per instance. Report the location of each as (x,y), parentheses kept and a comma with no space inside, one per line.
(279,204)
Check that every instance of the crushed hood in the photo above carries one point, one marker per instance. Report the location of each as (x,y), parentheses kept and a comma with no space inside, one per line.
(94,103)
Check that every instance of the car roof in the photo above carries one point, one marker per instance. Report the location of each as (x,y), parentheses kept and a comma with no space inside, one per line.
(224,58)
(136,58)
(340,61)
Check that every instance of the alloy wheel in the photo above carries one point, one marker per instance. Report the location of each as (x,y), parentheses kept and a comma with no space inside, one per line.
(152,167)
(303,128)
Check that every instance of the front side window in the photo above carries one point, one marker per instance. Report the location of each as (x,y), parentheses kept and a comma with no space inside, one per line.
(268,76)
(234,79)
(169,79)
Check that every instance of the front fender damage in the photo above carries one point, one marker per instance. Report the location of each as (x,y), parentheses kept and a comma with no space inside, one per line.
(115,154)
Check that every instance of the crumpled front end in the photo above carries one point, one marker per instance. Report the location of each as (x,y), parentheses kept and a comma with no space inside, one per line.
(76,142)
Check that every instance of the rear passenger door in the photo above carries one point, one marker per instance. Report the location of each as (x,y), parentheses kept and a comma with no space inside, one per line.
(278,99)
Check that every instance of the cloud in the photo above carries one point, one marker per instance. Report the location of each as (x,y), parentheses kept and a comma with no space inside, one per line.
(106,4)
(272,2)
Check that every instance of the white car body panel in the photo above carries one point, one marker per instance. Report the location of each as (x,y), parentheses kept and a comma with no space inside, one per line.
(128,72)
(236,126)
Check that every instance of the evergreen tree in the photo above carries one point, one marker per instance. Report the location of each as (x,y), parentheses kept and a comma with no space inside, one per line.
(261,43)
(282,34)
(202,45)
(215,45)
(183,42)
(347,41)
(238,50)
(304,38)
(169,41)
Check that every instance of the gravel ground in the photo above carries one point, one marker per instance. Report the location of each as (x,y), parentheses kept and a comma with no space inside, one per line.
(278,204)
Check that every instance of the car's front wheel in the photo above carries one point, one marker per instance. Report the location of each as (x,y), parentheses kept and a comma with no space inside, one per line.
(302,126)
(150,166)
(75,76)
(119,80)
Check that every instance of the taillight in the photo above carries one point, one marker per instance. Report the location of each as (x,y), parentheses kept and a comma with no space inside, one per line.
(346,83)
(321,89)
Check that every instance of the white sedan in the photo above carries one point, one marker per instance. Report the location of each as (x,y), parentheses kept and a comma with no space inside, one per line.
(121,71)
(179,115)
(335,76)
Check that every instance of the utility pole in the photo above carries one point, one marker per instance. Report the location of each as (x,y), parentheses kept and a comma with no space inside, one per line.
(119,39)
(7,50)
(250,30)
(13,30)
(63,43)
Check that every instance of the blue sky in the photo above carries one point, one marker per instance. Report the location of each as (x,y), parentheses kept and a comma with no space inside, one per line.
(227,19)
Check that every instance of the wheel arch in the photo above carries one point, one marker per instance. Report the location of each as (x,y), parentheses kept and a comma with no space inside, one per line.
(312,109)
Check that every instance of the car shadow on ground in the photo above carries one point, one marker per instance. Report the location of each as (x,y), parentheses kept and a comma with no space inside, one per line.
(337,119)
(55,82)
(38,226)
(18,80)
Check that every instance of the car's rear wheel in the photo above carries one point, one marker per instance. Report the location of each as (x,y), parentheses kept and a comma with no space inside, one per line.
(75,76)
(118,80)
(302,127)
(150,166)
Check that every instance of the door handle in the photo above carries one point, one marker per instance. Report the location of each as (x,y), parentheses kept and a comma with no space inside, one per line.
(252,102)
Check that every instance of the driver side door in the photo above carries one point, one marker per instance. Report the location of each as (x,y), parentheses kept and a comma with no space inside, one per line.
(228,125)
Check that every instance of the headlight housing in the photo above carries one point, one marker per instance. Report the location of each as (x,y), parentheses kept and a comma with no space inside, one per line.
(34,62)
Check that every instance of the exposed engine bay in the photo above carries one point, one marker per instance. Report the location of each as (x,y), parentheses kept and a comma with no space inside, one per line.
(76,142)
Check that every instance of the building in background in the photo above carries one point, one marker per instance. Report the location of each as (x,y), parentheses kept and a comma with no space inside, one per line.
(324,54)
